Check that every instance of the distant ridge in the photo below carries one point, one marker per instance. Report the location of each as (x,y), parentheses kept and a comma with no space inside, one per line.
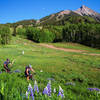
(84,13)
(63,15)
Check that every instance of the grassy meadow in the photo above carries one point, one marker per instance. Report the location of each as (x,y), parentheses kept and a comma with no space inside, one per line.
(63,67)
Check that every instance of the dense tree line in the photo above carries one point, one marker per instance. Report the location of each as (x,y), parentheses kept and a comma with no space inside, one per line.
(83,33)
(87,34)
(5,34)
(36,34)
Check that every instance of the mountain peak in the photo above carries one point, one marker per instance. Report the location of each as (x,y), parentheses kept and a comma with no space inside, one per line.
(83,10)
(83,6)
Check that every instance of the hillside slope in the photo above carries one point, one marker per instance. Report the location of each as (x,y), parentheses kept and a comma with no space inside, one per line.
(83,12)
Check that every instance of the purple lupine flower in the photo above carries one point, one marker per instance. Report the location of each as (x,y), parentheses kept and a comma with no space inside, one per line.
(32,95)
(27,93)
(0,72)
(93,89)
(52,79)
(36,87)
(49,88)
(30,90)
(29,87)
(61,92)
(96,89)
(45,91)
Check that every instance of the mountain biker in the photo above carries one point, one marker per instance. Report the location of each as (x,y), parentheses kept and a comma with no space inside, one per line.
(28,70)
(6,65)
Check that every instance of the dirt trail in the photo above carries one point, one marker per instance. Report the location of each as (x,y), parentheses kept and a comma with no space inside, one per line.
(69,50)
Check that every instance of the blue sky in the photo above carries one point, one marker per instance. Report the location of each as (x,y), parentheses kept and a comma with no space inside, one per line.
(16,10)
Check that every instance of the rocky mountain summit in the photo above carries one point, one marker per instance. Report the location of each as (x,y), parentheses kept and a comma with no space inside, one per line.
(83,10)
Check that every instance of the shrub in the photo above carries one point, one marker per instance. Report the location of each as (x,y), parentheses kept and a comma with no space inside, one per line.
(5,35)
(33,33)
(46,36)
(21,32)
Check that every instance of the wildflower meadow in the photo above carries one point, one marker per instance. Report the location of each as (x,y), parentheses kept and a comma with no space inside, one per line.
(59,75)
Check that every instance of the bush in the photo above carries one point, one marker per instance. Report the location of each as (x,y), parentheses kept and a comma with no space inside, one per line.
(21,32)
(5,35)
(46,36)
(57,31)
(38,35)
(33,33)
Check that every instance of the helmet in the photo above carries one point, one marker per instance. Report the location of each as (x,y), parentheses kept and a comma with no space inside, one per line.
(30,65)
(8,60)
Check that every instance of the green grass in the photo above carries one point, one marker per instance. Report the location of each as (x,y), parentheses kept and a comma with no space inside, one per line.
(83,70)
